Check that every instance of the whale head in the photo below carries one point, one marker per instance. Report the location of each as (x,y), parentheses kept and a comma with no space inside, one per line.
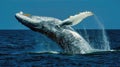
(38,23)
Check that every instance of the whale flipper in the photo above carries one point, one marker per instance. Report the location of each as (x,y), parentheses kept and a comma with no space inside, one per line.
(73,20)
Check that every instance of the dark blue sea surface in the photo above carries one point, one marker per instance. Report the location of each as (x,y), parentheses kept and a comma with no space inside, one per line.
(25,48)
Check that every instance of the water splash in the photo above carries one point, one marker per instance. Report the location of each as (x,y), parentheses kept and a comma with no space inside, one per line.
(105,45)
(97,38)
(86,35)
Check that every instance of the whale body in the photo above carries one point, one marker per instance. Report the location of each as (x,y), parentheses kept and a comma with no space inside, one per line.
(59,31)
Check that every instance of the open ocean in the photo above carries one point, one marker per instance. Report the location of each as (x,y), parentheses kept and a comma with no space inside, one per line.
(25,48)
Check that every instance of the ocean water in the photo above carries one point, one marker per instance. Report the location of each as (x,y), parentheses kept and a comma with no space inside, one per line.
(25,48)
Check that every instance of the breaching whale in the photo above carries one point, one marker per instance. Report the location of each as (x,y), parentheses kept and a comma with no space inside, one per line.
(59,31)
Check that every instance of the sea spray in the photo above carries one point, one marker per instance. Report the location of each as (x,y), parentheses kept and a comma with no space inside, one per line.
(86,35)
(105,45)
(97,38)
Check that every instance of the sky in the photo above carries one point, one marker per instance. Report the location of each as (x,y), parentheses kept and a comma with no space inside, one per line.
(106,10)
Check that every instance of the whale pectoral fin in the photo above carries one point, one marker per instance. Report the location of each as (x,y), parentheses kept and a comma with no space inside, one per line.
(73,20)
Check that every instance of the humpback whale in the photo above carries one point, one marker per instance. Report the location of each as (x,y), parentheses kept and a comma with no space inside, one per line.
(59,31)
